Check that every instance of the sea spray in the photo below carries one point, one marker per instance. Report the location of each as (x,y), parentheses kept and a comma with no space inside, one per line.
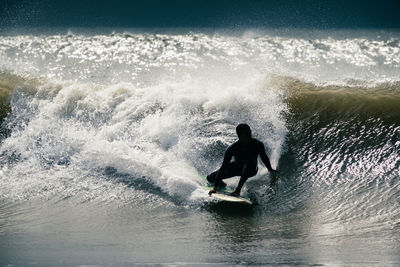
(105,139)
(164,134)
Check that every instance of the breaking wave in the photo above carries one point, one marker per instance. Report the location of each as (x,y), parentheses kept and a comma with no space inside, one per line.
(141,117)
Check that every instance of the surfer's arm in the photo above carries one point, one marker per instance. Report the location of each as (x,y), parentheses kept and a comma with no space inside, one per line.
(264,158)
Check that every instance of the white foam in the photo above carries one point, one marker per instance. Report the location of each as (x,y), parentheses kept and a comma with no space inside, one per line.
(156,133)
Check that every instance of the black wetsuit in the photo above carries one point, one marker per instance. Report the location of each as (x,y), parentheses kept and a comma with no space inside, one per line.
(244,162)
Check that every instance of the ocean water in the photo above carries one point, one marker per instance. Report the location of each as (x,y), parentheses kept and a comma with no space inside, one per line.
(105,137)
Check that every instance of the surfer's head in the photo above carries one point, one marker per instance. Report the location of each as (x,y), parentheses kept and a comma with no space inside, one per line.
(243,132)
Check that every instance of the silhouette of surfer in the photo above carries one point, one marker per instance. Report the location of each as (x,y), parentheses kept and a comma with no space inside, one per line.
(244,152)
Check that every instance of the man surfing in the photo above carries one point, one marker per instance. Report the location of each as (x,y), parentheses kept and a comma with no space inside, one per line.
(244,153)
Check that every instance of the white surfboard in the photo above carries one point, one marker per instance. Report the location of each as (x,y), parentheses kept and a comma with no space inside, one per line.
(224,195)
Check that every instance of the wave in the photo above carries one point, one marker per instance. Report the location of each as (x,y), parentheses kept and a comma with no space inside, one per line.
(8,82)
(7,85)
(342,150)
(166,134)
(162,116)
(169,134)
(343,126)
(148,58)
(379,101)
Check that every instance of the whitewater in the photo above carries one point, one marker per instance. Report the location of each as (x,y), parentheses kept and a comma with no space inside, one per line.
(105,140)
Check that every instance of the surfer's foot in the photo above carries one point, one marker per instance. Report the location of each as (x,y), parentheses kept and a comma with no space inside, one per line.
(235,193)
(222,185)
(212,191)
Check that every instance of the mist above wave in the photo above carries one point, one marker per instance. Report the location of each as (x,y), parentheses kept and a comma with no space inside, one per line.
(144,59)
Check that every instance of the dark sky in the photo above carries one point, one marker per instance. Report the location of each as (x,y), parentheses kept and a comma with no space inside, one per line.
(191,13)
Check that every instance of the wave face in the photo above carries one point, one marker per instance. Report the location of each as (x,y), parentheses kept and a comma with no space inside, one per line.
(344,142)
(140,116)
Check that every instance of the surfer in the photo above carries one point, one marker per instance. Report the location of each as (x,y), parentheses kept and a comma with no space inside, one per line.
(244,153)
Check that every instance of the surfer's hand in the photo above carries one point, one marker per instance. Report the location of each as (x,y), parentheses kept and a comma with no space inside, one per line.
(212,191)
